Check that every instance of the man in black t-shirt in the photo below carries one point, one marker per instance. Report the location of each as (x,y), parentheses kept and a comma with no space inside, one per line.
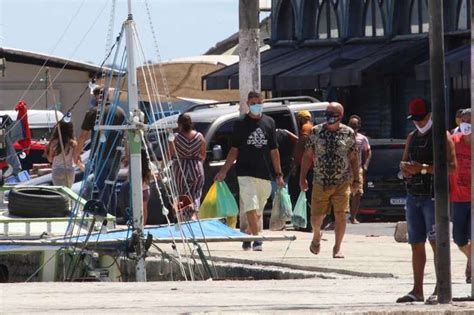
(254,146)
(103,154)
(417,167)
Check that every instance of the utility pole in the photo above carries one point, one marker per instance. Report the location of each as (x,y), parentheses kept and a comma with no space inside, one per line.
(438,85)
(249,50)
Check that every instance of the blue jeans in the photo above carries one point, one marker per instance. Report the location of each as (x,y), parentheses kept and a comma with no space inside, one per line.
(420,217)
(461,223)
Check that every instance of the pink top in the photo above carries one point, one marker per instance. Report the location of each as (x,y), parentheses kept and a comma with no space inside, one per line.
(363,145)
(460,182)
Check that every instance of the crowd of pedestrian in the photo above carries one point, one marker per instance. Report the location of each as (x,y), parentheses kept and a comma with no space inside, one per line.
(328,161)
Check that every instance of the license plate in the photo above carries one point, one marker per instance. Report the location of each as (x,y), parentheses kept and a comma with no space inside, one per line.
(398,201)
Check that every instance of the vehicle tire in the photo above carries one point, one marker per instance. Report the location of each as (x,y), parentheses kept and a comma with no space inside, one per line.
(31,202)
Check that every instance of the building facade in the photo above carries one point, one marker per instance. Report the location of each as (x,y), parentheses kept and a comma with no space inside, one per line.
(45,82)
(371,55)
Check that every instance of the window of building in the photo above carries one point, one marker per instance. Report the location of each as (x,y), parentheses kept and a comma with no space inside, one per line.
(286,21)
(464,7)
(309,19)
(328,19)
(374,18)
(419,16)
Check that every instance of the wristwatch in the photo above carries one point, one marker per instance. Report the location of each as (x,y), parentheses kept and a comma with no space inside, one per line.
(278,175)
(424,169)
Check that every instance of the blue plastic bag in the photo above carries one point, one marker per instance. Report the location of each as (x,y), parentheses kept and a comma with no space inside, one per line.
(300,216)
(226,204)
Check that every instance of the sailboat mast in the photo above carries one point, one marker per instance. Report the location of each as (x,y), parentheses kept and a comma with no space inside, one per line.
(135,145)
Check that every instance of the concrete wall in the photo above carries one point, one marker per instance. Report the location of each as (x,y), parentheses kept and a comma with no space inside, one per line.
(66,88)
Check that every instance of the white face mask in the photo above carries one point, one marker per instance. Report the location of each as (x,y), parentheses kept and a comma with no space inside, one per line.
(465,128)
(427,127)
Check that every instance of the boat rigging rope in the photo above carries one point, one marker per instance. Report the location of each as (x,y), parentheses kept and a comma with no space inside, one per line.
(94,143)
(158,55)
(53,49)
(176,200)
(51,82)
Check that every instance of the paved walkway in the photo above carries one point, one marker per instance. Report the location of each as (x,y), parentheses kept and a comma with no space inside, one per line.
(374,273)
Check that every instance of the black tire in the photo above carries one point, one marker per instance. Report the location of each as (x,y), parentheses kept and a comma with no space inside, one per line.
(31,202)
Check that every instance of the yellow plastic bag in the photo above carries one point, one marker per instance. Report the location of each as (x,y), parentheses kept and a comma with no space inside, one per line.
(208,207)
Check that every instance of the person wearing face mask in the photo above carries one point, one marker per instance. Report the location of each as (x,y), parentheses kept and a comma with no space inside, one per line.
(460,190)
(417,169)
(254,146)
(365,154)
(332,147)
(95,96)
(104,146)
(458,121)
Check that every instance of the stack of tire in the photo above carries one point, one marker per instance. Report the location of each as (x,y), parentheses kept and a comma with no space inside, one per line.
(37,202)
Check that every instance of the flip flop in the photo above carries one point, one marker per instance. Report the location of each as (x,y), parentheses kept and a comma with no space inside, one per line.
(315,247)
(432,300)
(409,298)
(337,255)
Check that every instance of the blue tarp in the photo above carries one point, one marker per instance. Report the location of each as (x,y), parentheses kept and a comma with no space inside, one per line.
(210,228)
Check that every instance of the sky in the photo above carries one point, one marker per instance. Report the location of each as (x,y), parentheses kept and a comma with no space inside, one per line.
(77,29)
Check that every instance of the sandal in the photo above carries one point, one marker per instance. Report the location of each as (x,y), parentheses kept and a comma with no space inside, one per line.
(315,247)
(337,254)
(409,298)
(432,300)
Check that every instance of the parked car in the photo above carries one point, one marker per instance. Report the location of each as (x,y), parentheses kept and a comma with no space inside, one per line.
(384,189)
(216,121)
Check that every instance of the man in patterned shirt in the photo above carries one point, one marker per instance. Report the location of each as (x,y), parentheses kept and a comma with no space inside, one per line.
(332,147)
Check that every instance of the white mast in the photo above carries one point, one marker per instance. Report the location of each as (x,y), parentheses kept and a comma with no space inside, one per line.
(134,142)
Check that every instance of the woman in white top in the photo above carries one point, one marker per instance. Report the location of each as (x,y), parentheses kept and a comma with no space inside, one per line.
(60,154)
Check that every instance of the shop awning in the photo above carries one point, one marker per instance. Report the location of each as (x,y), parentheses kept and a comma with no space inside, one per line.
(220,79)
(322,66)
(393,58)
(457,63)
(307,76)
(276,66)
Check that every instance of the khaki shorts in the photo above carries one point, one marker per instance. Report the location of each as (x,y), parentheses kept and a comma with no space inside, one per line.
(323,198)
(254,193)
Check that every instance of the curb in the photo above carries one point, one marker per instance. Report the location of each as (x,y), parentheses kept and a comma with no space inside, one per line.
(305,268)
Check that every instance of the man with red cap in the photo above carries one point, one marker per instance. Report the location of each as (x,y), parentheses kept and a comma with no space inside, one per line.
(417,169)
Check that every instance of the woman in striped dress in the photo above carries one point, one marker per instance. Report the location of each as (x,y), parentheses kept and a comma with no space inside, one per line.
(189,146)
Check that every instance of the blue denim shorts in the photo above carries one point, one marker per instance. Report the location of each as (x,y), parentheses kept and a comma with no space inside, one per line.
(420,215)
(461,223)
